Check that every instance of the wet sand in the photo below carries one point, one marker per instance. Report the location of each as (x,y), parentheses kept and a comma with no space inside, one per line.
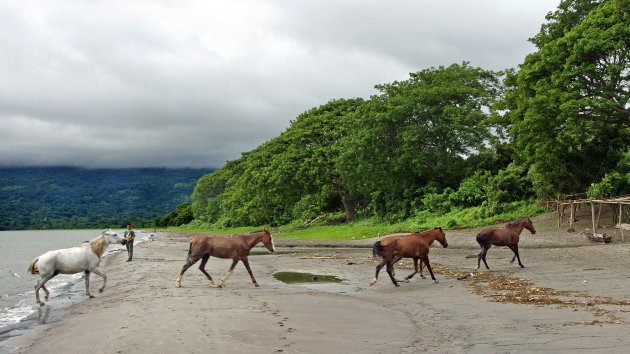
(572,296)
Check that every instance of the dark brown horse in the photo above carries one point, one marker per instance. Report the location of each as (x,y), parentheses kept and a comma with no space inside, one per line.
(415,246)
(507,236)
(236,247)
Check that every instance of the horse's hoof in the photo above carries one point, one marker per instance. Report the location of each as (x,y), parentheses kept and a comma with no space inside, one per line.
(423,277)
(41,303)
(436,281)
(100,290)
(396,285)
(91,296)
(372,282)
(178,285)
(257,285)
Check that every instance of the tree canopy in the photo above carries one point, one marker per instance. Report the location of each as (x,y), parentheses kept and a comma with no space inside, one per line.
(569,100)
(67,197)
(451,137)
(376,156)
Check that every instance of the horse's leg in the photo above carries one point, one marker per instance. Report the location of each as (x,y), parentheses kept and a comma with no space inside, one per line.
(87,284)
(378,269)
(390,268)
(516,255)
(485,253)
(189,262)
(479,256)
(426,261)
(98,272)
(421,275)
(482,256)
(415,267)
(391,276)
(39,285)
(227,275)
(202,268)
(46,292)
(249,270)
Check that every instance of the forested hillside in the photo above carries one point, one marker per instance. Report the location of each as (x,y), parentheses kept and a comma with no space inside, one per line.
(64,197)
(451,137)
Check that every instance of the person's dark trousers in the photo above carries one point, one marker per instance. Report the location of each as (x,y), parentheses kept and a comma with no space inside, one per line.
(129,251)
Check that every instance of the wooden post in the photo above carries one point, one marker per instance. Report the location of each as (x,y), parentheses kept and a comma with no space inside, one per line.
(572,216)
(558,212)
(599,213)
(593,216)
(620,220)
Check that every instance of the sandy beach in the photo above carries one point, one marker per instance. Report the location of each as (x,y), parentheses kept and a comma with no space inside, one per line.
(572,296)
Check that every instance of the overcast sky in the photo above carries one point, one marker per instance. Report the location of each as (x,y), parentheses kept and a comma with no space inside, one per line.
(187,83)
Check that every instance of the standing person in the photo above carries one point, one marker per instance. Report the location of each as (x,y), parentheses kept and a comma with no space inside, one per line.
(129,236)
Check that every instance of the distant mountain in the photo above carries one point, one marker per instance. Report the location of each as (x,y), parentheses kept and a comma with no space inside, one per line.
(68,197)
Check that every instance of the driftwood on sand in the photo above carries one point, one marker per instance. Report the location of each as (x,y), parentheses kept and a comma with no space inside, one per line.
(597,237)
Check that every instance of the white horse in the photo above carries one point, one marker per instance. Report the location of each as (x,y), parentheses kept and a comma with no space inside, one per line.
(83,258)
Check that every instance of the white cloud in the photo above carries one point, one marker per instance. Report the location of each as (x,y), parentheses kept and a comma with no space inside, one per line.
(196,83)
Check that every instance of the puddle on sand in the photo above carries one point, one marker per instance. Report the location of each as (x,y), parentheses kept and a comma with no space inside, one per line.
(295,277)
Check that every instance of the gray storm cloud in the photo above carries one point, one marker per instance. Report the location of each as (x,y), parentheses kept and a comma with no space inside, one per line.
(196,83)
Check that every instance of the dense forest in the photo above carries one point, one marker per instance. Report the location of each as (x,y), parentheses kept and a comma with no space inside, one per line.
(65,197)
(450,137)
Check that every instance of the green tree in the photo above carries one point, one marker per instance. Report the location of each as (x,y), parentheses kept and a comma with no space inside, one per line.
(183,214)
(292,175)
(418,133)
(614,183)
(312,155)
(569,101)
(207,194)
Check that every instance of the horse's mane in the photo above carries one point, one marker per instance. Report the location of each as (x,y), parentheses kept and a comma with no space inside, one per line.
(98,245)
(516,222)
(427,231)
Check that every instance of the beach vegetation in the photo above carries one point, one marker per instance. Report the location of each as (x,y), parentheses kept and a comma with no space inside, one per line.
(451,146)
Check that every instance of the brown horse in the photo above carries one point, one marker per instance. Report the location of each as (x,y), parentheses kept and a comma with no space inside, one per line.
(415,246)
(236,247)
(507,235)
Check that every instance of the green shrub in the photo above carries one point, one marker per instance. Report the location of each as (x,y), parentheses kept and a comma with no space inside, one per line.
(613,183)
(183,214)
(509,185)
(472,191)
(438,202)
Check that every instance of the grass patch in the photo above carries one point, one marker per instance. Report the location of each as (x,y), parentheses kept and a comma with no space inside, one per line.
(374,227)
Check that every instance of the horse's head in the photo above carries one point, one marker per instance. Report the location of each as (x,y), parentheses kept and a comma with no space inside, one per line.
(113,237)
(441,237)
(267,240)
(529,225)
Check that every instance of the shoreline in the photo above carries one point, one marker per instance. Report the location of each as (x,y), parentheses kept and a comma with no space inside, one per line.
(141,311)
(70,293)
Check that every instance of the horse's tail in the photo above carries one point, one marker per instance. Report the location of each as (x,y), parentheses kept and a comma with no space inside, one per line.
(189,250)
(32,268)
(377,249)
(484,238)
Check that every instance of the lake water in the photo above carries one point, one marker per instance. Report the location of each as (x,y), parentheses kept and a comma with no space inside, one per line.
(18,310)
